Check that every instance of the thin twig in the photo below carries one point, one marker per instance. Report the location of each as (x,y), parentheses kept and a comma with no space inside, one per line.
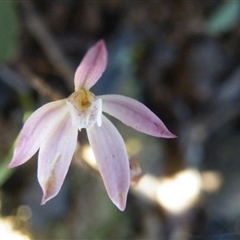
(38,84)
(36,26)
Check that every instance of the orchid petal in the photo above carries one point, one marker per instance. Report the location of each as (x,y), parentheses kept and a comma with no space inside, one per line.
(35,131)
(92,66)
(135,114)
(55,156)
(109,150)
(73,113)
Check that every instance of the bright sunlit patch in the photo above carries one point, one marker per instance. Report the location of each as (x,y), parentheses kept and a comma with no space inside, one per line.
(7,231)
(178,193)
(88,156)
(147,187)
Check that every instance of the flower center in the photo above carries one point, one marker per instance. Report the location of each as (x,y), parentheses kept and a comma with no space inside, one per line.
(82,99)
(89,108)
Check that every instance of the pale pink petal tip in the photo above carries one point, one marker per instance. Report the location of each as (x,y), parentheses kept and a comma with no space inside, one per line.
(170,135)
(120,201)
(15,162)
(91,67)
(10,165)
(44,199)
(47,196)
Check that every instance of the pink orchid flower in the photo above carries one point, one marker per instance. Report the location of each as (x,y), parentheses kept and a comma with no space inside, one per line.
(53,129)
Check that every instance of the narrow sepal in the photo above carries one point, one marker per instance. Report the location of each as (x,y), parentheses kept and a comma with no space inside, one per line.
(112,160)
(135,114)
(35,131)
(55,156)
(92,66)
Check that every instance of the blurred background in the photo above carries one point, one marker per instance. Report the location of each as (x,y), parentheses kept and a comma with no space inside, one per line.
(182,60)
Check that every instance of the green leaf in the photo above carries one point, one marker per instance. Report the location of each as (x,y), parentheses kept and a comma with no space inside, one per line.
(9,29)
(224,18)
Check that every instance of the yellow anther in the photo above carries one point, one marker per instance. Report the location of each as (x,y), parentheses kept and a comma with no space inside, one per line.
(82,99)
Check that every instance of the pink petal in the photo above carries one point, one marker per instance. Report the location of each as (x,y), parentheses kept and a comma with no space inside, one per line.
(109,150)
(35,131)
(92,66)
(135,114)
(55,156)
